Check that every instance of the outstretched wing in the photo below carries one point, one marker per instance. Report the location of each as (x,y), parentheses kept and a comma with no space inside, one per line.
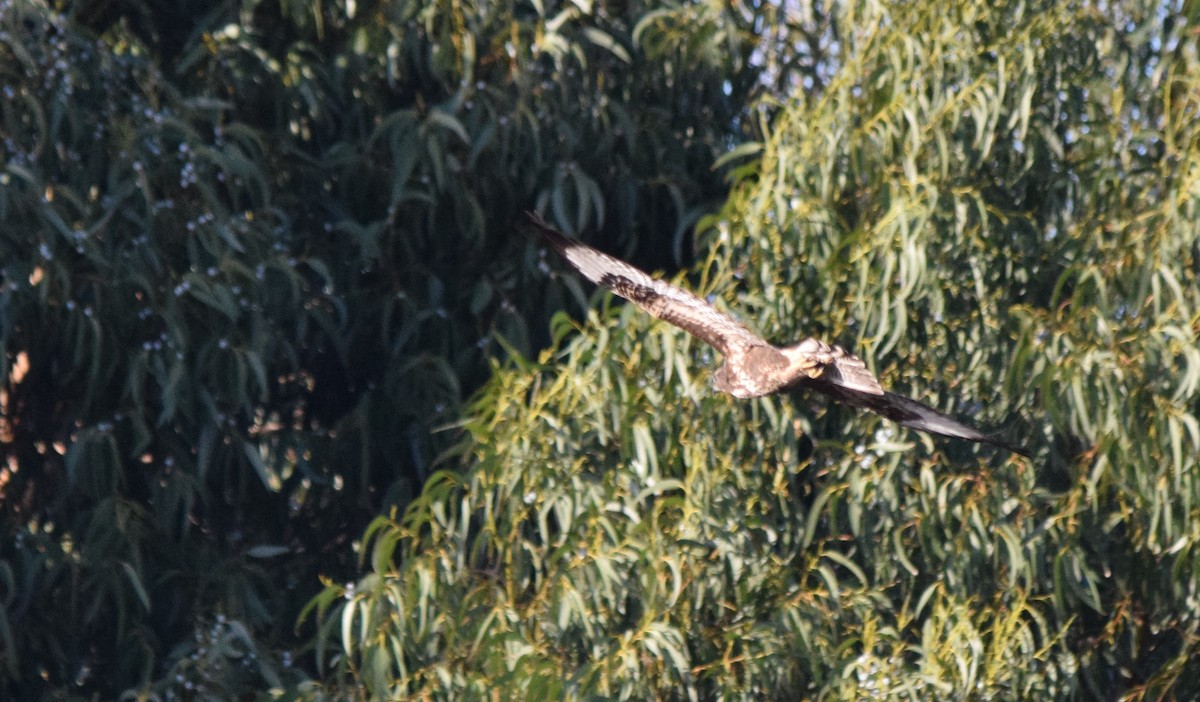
(906,412)
(667,302)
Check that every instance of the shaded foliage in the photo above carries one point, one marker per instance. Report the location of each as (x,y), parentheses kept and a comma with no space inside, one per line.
(996,204)
(255,254)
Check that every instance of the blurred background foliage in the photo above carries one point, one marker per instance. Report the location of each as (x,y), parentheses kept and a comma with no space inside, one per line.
(256,257)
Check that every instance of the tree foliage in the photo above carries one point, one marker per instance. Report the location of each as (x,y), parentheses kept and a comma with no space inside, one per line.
(996,204)
(255,255)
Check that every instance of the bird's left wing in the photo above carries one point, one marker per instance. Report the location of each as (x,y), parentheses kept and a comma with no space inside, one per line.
(667,302)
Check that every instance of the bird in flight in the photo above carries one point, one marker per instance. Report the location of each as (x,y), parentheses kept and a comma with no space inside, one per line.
(752,366)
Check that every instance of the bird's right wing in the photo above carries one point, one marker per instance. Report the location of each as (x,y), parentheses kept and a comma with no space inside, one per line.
(910,413)
(906,412)
(668,302)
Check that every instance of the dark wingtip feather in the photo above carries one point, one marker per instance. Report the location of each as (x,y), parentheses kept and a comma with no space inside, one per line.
(1008,446)
(910,413)
(916,415)
(554,237)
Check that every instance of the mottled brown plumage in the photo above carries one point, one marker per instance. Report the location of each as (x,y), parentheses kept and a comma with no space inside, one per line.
(752,366)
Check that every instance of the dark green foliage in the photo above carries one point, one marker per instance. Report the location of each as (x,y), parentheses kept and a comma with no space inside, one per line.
(254,256)
(999,206)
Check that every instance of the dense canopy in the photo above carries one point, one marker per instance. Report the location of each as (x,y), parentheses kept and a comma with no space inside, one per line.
(292,410)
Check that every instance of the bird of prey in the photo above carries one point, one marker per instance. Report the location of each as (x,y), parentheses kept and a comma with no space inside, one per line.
(752,366)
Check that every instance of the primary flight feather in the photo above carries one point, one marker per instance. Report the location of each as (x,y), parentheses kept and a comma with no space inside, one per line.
(752,366)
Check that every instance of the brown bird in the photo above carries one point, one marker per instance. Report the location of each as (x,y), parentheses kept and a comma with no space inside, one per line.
(752,366)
